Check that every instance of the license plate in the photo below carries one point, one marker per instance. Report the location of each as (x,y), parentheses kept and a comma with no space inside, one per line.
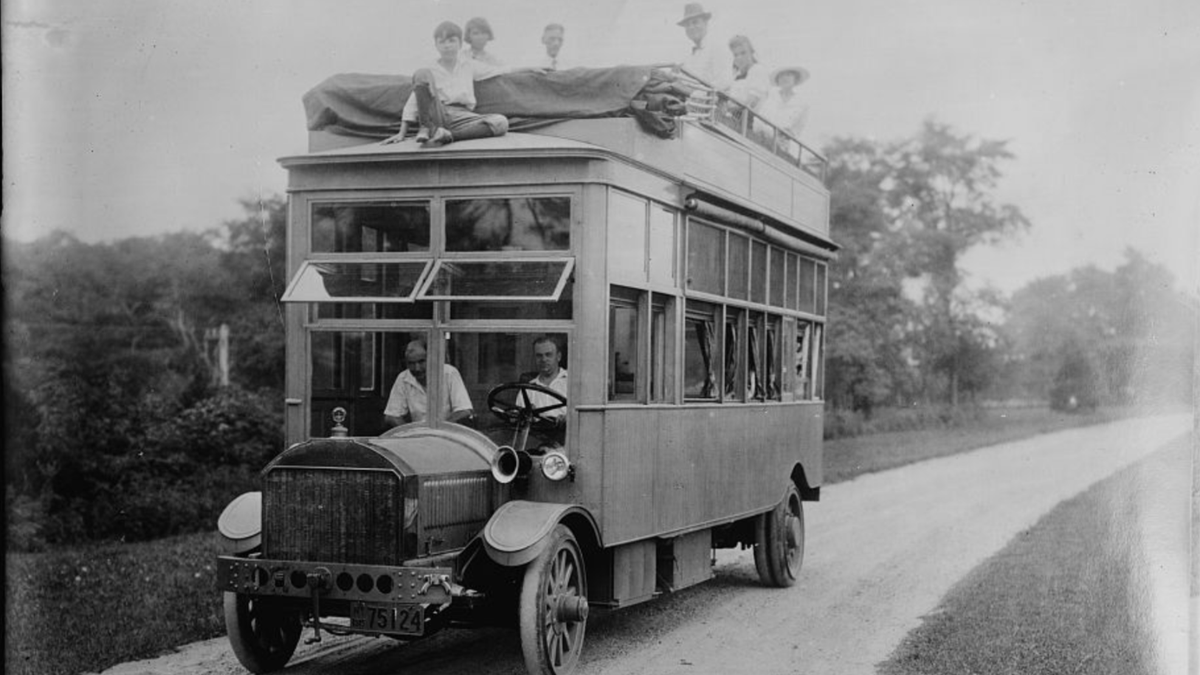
(393,619)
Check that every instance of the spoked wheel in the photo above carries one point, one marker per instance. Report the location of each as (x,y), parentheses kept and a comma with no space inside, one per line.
(263,636)
(779,541)
(554,607)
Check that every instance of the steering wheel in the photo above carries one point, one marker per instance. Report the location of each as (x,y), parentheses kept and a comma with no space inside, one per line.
(520,410)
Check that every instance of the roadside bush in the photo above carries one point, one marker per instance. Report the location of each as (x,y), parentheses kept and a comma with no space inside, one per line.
(844,423)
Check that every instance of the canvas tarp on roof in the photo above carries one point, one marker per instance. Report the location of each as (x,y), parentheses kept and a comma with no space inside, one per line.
(370,105)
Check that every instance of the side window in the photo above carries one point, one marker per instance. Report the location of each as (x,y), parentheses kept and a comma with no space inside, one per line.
(706,258)
(662,343)
(803,380)
(735,330)
(623,352)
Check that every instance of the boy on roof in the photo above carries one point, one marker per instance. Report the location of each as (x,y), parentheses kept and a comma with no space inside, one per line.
(442,102)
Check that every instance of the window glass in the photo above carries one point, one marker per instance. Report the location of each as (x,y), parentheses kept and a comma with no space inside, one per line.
(739,266)
(662,245)
(755,358)
(790,284)
(772,378)
(803,380)
(662,339)
(818,386)
(508,224)
(622,349)
(700,343)
(706,258)
(758,272)
(356,281)
(787,388)
(384,227)
(361,310)
(497,279)
(520,310)
(820,289)
(777,277)
(626,238)
(808,271)
(355,371)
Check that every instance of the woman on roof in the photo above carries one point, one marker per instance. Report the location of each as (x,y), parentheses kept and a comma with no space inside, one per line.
(750,83)
(784,106)
(478,33)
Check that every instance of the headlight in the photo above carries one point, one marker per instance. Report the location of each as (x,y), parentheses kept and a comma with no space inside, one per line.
(555,465)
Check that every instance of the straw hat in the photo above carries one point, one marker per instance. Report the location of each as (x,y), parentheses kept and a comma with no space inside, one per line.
(801,74)
(693,10)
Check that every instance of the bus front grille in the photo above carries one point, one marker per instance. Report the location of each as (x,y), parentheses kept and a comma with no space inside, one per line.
(332,515)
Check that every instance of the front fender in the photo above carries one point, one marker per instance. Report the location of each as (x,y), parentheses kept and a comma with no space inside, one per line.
(517,532)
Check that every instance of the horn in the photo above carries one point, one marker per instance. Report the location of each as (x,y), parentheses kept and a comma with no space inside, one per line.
(507,464)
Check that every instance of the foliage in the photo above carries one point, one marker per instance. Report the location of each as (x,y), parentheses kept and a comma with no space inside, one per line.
(114,422)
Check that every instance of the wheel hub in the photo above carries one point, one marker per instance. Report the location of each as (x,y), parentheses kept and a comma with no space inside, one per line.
(571,609)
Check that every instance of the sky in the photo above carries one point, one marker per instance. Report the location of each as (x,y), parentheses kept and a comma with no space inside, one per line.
(139,117)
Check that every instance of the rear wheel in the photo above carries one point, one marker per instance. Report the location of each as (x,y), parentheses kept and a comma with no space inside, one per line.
(553,606)
(263,636)
(779,541)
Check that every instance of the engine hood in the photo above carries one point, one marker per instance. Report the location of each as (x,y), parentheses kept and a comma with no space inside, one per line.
(410,451)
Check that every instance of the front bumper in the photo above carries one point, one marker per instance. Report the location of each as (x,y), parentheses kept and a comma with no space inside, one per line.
(334,584)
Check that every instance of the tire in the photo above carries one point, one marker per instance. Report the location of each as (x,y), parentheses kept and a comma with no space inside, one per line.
(779,541)
(263,637)
(553,606)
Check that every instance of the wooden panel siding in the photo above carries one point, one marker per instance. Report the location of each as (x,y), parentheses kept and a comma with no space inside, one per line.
(689,463)
(771,188)
(810,206)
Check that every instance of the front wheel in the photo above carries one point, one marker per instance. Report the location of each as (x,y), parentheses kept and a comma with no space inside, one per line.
(554,607)
(263,636)
(779,541)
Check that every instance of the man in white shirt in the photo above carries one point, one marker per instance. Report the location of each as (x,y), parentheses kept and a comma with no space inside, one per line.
(443,97)
(708,61)
(408,401)
(552,38)
(551,375)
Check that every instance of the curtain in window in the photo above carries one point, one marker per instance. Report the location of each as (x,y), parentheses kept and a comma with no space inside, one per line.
(754,386)
(772,368)
(731,359)
(706,352)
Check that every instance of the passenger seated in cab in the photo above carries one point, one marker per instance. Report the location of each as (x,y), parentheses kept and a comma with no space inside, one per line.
(408,401)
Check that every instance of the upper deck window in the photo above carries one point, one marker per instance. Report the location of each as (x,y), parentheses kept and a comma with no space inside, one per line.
(374,227)
(497,279)
(356,281)
(508,224)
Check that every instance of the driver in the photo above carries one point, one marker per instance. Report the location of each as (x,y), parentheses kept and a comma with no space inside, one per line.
(408,401)
(551,375)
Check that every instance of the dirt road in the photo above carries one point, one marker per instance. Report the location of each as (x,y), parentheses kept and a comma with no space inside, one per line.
(881,551)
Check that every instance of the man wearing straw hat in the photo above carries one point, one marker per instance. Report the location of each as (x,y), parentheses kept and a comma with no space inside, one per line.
(707,61)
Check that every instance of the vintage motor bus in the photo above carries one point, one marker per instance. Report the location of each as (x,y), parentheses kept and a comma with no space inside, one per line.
(680,283)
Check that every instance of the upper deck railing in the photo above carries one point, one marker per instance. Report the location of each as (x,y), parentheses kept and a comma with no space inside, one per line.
(723,112)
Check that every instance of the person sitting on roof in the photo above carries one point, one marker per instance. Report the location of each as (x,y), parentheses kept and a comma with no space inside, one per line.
(477,33)
(442,102)
(783,106)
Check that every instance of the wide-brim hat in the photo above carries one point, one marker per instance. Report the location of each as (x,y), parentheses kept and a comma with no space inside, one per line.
(693,10)
(802,74)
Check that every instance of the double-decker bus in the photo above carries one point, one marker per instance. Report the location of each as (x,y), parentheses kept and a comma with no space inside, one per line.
(681,284)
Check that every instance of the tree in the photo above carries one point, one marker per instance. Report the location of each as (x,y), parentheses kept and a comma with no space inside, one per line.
(939,190)
(867,361)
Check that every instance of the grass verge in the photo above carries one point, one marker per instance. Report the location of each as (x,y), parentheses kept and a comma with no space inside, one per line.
(846,458)
(84,609)
(1059,598)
